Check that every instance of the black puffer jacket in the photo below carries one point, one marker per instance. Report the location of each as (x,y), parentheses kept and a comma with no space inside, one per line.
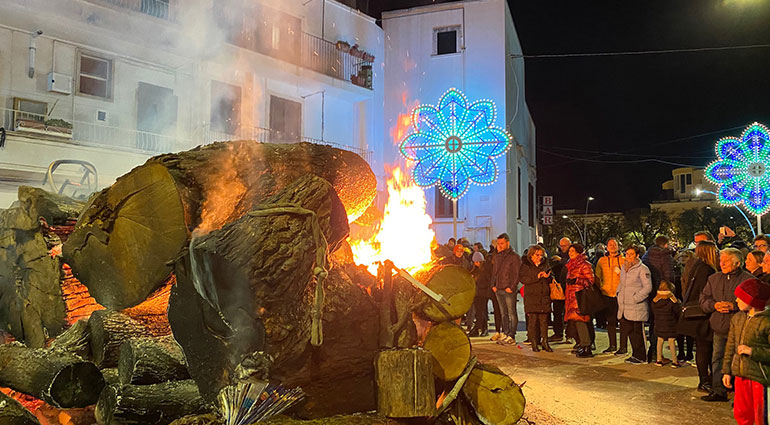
(666,315)
(537,291)
(483,276)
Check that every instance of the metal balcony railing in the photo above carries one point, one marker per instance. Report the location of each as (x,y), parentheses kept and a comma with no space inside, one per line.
(156,8)
(87,133)
(324,57)
(206,135)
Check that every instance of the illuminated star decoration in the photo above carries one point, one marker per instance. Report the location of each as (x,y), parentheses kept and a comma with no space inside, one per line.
(742,169)
(455,143)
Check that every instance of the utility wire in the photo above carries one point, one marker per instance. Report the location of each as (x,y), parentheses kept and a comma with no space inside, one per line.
(610,161)
(605,153)
(639,52)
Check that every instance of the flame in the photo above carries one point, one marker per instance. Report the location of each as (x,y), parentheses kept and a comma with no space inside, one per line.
(404,235)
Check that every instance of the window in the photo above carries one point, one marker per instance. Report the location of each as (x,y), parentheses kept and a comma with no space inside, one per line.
(285,119)
(446,40)
(225,107)
(443,205)
(95,76)
(689,178)
(156,109)
(518,204)
(156,8)
(29,110)
(682,187)
(531,200)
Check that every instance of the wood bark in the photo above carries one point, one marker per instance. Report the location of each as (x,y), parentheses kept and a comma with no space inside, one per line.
(450,348)
(146,361)
(458,288)
(59,378)
(76,340)
(110,329)
(13,413)
(253,281)
(31,304)
(157,205)
(495,398)
(156,404)
(405,384)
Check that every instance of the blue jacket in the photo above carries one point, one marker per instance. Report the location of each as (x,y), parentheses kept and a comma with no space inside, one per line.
(633,292)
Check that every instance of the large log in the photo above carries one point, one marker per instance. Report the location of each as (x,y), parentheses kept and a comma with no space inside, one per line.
(59,378)
(156,404)
(110,329)
(157,205)
(146,361)
(451,350)
(458,288)
(13,413)
(405,384)
(31,304)
(76,340)
(252,280)
(495,398)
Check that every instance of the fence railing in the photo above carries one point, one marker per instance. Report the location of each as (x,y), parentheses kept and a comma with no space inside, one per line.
(87,133)
(156,8)
(324,57)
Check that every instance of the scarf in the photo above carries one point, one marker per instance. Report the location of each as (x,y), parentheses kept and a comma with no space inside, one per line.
(662,295)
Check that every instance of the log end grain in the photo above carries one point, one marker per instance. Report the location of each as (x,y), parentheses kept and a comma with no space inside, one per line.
(451,350)
(76,385)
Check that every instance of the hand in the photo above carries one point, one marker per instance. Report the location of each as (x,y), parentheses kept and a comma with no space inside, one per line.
(744,349)
(723,306)
(494,289)
(726,381)
(543,274)
(509,290)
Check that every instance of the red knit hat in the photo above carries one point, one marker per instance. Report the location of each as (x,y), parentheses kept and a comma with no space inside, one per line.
(753,292)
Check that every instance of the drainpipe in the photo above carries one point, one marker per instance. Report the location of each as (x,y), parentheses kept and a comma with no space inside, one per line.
(32,51)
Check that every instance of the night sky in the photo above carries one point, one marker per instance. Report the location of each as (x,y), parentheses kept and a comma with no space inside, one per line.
(671,107)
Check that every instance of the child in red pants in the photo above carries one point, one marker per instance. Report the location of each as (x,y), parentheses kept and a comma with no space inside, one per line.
(747,355)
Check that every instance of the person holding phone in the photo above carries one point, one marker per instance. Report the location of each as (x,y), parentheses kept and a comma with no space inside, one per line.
(535,275)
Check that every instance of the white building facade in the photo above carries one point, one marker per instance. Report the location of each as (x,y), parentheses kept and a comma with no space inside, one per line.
(114,82)
(472,46)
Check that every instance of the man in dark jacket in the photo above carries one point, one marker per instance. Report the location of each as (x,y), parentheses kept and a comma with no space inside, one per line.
(661,264)
(505,282)
(718,298)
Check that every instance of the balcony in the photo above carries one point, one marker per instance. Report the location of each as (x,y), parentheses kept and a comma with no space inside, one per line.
(156,8)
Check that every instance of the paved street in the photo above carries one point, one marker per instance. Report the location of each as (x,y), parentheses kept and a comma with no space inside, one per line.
(562,389)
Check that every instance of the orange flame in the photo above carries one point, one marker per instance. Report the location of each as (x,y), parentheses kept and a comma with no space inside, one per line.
(404,236)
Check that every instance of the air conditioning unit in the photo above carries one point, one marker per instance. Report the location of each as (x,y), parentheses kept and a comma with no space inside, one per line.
(59,83)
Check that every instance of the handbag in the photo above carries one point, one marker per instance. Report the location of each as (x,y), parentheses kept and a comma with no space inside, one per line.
(691,310)
(557,293)
(590,300)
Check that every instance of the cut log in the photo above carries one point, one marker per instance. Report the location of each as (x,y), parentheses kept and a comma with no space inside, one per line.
(13,413)
(253,280)
(156,206)
(405,384)
(157,404)
(110,329)
(495,398)
(458,288)
(146,361)
(76,340)
(451,350)
(59,378)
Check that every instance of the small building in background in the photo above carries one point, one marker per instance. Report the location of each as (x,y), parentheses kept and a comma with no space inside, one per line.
(687,189)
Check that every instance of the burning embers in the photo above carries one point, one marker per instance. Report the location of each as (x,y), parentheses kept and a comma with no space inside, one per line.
(404,235)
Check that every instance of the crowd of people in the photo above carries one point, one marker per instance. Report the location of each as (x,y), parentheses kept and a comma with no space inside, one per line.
(705,303)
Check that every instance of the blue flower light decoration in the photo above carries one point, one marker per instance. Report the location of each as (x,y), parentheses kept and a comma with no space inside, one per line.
(455,144)
(742,169)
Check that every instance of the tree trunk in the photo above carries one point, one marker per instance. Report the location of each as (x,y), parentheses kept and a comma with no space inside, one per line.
(451,350)
(110,329)
(59,378)
(157,205)
(494,396)
(156,404)
(253,280)
(405,384)
(13,413)
(146,361)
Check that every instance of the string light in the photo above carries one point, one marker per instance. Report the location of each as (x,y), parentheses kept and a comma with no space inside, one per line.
(742,169)
(455,143)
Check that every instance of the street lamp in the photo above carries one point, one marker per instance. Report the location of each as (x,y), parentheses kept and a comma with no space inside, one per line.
(576,225)
(585,222)
(698,193)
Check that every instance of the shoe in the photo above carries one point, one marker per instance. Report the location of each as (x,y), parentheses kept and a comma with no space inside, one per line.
(705,388)
(688,358)
(546,347)
(585,352)
(535,348)
(555,338)
(621,352)
(610,350)
(633,360)
(676,365)
(527,341)
(715,397)
(496,336)
(506,340)
(665,361)
(659,363)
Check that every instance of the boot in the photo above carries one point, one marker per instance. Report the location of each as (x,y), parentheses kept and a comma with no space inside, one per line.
(544,336)
(532,332)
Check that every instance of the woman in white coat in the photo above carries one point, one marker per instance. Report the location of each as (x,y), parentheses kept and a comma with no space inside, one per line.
(633,307)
